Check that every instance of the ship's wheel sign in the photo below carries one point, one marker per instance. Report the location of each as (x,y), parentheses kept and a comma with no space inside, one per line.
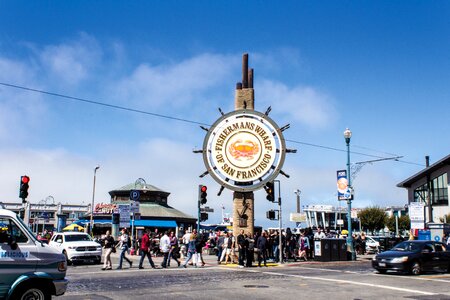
(243,150)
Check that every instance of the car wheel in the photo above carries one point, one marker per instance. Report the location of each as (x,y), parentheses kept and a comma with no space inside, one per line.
(32,291)
(415,268)
(382,271)
(67,259)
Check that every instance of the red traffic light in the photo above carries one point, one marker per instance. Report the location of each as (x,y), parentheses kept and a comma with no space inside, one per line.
(203,188)
(25,179)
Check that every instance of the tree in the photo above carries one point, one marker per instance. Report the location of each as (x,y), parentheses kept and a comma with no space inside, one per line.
(372,218)
(404,223)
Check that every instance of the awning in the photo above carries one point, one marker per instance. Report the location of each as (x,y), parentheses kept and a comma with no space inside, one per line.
(156,223)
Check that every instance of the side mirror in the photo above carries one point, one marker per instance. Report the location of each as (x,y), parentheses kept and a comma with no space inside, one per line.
(13,244)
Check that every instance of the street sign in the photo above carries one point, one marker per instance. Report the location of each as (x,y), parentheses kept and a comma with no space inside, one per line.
(340,222)
(134,207)
(416,215)
(135,195)
(124,211)
(207,209)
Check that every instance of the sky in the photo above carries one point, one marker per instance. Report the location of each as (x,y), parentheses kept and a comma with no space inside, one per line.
(380,68)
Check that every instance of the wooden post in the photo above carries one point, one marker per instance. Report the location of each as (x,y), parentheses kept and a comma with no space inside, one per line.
(243,203)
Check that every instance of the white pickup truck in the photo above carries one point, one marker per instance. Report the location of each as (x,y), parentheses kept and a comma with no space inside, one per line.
(29,269)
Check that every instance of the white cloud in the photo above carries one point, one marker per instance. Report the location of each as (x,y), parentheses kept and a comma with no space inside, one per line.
(303,104)
(176,84)
(71,62)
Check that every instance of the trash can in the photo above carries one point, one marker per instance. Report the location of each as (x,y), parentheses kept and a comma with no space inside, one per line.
(342,249)
(322,249)
(334,248)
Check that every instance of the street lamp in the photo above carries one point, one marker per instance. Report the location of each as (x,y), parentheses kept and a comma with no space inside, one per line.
(92,205)
(298,192)
(347,136)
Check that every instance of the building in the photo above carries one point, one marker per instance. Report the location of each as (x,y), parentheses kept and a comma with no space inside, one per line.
(430,186)
(49,216)
(153,211)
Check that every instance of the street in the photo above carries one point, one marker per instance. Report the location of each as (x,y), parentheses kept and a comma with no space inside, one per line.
(319,280)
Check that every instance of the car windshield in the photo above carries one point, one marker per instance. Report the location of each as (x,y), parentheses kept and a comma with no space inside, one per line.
(78,237)
(407,246)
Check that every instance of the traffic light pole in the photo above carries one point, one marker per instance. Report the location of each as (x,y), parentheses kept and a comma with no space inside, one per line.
(198,207)
(280,222)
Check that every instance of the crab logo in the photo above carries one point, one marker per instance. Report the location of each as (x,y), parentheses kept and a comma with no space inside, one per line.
(243,149)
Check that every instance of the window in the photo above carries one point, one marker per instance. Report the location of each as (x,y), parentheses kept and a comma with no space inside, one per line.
(439,187)
(13,230)
(439,191)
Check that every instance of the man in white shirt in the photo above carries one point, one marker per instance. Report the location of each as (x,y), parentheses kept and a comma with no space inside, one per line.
(164,246)
(319,234)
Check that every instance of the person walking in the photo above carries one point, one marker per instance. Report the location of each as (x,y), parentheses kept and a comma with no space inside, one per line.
(145,250)
(164,246)
(241,248)
(124,245)
(220,242)
(190,249)
(261,244)
(174,249)
(250,247)
(109,247)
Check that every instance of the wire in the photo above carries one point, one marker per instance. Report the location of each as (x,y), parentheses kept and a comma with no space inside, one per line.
(104,104)
(187,121)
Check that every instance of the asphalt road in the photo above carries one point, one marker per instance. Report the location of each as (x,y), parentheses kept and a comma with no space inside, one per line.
(300,280)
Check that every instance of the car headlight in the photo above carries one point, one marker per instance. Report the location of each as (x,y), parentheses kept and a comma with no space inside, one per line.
(99,248)
(400,259)
(62,266)
(374,257)
(72,247)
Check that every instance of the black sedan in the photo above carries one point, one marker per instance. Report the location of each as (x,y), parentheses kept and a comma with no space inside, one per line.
(414,257)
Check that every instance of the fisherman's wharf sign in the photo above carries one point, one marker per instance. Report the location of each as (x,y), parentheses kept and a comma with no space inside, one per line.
(243,150)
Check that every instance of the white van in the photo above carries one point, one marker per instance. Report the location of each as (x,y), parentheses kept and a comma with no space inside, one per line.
(29,269)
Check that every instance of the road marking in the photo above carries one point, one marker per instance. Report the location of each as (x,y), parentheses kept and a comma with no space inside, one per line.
(417,278)
(347,282)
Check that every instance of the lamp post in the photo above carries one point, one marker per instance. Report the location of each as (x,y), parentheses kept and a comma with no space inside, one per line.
(92,205)
(298,192)
(347,136)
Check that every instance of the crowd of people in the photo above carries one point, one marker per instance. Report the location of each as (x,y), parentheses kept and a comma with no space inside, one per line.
(244,248)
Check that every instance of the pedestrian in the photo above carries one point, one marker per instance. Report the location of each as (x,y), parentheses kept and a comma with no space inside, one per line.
(241,248)
(145,249)
(226,248)
(164,246)
(190,249)
(250,246)
(319,234)
(109,247)
(124,245)
(303,246)
(220,242)
(200,242)
(262,244)
(174,249)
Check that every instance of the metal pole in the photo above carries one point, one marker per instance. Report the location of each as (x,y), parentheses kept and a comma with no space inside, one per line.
(280,246)
(349,205)
(92,204)
(198,208)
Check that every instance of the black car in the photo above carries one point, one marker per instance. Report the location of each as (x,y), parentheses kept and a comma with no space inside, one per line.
(414,257)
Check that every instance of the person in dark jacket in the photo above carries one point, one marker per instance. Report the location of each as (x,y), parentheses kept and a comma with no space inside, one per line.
(261,244)
(242,248)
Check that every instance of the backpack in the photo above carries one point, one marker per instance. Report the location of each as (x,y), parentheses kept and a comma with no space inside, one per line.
(129,242)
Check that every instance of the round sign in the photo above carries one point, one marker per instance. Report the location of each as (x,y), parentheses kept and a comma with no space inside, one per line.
(243,150)
(134,195)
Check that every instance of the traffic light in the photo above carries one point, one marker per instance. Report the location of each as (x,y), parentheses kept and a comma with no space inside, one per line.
(203,194)
(116,218)
(23,192)
(203,217)
(270,215)
(270,190)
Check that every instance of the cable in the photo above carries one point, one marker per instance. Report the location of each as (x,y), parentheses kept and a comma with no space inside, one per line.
(103,104)
(186,120)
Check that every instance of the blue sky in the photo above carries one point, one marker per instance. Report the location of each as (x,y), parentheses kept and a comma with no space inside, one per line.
(381,68)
